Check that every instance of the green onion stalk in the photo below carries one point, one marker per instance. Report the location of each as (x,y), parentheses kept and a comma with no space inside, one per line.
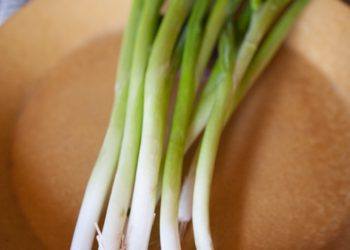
(213,130)
(205,102)
(267,51)
(156,98)
(186,196)
(169,233)
(210,142)
(261,20)
(201,114)
(255,4)
(102,174)
(221,10)
(192,68)
(120,197)
(243,21)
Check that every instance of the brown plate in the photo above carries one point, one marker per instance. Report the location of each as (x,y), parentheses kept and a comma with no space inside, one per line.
(32,42)
(282,179)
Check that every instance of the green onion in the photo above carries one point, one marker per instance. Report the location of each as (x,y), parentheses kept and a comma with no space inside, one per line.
(255,4)
(221,10)
(243,21)
(264,55)
(205,166)
(156,99)
(124,180)
(103,171)
(169,232)
(269,11)
(134,146)
(210,143)
(262,19)
(186,196)
(267,51)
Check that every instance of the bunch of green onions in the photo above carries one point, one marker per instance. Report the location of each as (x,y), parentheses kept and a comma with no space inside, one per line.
(141,159)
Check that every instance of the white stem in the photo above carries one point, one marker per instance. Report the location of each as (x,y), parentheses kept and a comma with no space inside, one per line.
(156,100)
(186,197)
(102,175)
(119,202)
(145,191)
(97,189)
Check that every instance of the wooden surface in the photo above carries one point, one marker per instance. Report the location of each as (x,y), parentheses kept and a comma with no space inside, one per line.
(282,179)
